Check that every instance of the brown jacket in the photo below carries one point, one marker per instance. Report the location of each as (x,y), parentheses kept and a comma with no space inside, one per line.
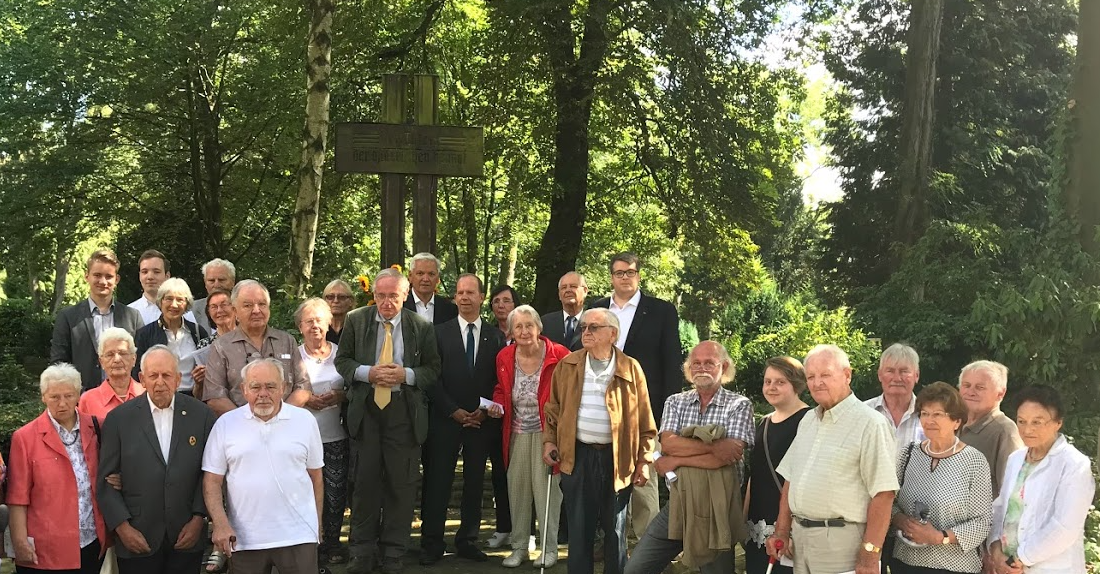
(633,430)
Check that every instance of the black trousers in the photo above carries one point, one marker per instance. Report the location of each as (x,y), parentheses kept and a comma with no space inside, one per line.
(500,479)
(387,476)
(446,438)
(589,494)
(90,563)
(899,567)
(166,560)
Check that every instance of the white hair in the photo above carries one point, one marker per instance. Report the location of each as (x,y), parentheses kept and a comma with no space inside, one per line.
(833,351)
(59,374)
(524,310)
(997,372)
(902,355)
(177,286)
(116,334)
(220,263)
(425,256)
(246,284)
(612,319)
(271,362)
(402,281)
(159,348)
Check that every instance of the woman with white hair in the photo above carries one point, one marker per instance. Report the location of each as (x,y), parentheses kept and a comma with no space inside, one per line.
(55,522)
(173,330)
(117,356)
(524,371)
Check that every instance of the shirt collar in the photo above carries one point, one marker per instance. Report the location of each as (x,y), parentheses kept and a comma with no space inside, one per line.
(95,309)
(983,422)
(637,298)
(837,412)
(107,394)
(281,415)
(419,303)
(154,408)
(588,363)
(720,397)
(396,321)
(57,425)
(463,322)
(879,404)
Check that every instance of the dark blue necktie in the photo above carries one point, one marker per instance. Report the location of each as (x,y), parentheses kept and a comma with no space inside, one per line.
(470,345)
(570,328)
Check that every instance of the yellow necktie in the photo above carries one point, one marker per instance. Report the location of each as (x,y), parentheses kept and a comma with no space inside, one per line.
(382,394)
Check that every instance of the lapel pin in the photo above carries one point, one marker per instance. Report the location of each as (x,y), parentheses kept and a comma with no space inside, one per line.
(192,441)
(183,412)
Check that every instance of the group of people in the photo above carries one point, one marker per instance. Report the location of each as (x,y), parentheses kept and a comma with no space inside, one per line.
(172,415)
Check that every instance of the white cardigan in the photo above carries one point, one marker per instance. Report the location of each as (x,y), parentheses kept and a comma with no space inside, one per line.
(1057,495)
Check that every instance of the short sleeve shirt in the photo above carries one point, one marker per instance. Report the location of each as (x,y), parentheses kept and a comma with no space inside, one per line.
(727,409)
(271,500)
(231,352)
(838,461)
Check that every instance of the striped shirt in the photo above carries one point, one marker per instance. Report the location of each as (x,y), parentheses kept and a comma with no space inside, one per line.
(593,419)
(839,459)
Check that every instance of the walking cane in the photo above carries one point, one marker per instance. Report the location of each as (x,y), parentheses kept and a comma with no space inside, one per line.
(546,514)
(771,559)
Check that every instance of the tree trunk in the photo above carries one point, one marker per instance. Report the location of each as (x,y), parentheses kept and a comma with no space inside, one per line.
(923,43)
(1083,144)
(574,82)
(469,225)
(62,260)
(311,167)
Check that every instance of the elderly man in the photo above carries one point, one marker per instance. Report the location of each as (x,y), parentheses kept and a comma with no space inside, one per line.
(468,350)
(253,339)
(424,278)
(651,334)
(388,357)
(216,274)
(561,326)
(982,385)
(340,301)
(159,514)
(78,328)
(268,455)
(153,269)
(841,476)
(117,355)
(599,426)
(898,372)
(707,404)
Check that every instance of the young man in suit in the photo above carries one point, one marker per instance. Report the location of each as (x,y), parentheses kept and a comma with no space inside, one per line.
(156,443)
(389,357)
(424,271)
(561,326)
(77,329)
(468,348)
(650,334)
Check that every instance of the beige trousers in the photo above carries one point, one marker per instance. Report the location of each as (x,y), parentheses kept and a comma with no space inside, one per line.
(526,485)
(826,550)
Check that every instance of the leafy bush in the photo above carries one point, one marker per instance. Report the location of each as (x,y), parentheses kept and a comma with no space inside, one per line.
(23,332)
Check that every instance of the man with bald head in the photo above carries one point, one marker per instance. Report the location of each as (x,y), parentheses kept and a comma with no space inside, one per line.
(158,514)
(561,326)
(841,476)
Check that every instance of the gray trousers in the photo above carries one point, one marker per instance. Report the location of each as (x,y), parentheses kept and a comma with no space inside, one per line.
(655,551)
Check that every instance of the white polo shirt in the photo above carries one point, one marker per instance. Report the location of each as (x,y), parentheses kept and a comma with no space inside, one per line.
(271,502)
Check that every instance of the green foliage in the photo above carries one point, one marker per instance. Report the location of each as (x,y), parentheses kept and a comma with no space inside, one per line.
(24,333)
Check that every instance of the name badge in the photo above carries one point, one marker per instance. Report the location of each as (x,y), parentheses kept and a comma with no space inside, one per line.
(284,356)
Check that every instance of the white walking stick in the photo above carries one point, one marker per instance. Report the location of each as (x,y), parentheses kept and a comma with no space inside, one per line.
(546,514)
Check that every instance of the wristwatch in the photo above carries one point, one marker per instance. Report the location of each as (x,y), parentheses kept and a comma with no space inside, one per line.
(946,538)
(871,548)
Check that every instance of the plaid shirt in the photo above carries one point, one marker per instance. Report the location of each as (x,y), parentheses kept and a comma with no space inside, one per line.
(727,409)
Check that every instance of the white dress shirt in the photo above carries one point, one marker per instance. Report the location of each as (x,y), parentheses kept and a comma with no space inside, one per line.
(150,311)
(477,332)
(425,310)
(625,315)
(162,422)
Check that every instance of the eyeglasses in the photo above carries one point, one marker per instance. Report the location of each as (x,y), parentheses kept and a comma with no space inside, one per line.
(628,274)
(502,302)
(589,327)
(934,415)
(394,297)
(1033,424)
(705,365)
(332,297)
(221,306)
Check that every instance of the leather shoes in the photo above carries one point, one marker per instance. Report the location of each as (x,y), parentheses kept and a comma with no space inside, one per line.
(392,565)
(428,557)
(471,552)
(360,565)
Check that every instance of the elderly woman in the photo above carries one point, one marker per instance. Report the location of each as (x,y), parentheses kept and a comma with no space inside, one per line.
(942,511)
(340,301)
(318,354)
(524,371)
(55,523)
(117,355)
(502,300)
(784,381)
(1039,517)
(178,334)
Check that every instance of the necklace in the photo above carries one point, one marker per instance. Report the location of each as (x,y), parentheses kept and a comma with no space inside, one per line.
(74,434)
(928,448)
(1034,459)
(320,360)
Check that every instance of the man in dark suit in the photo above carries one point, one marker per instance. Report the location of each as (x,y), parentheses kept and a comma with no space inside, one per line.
(651,335)
(156,443)
(468,349)
(389,359)
(561,326)
(424,271)
(76,332)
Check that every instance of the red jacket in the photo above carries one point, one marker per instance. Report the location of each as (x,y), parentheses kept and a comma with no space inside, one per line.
(41,478)
(506,376)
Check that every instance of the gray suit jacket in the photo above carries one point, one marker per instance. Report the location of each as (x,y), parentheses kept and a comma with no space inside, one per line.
(358,346)
(74,339)
(158,497)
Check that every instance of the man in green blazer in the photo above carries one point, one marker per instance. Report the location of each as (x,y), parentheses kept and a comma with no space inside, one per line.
(388,357)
